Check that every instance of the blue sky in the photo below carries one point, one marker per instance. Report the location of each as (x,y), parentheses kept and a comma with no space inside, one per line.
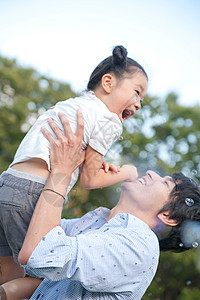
(66,39)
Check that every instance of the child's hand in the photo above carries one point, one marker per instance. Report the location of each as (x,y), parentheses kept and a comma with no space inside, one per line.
(132,173)
(109,167)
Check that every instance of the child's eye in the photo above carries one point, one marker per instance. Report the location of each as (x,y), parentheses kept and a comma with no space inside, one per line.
(137,92)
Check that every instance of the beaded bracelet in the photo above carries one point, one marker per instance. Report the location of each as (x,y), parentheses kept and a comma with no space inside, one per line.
(48,189)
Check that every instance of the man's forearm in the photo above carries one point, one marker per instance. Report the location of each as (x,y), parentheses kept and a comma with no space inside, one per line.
(47,213)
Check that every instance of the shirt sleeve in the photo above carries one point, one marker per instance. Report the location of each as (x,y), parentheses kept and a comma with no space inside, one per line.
(92,259)
(106,131)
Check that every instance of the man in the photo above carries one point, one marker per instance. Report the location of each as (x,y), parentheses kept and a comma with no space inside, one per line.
(105,254)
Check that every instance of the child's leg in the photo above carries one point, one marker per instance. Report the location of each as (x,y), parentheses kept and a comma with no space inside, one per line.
(21,288)
(19,196)
(9,269)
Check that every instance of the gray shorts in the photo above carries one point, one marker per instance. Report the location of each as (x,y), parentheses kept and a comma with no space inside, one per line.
(18,198)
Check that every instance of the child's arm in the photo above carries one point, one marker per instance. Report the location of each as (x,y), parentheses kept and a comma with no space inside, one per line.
(92,176)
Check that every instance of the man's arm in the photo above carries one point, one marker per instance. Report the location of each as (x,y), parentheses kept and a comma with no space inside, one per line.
(65,156)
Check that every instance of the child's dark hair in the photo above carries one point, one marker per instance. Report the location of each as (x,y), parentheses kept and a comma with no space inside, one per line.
(117,64)
(184,206)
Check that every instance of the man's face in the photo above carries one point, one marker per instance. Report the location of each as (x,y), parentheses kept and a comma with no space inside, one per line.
(149,192)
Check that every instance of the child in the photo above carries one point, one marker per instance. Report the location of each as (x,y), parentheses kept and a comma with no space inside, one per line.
(116,89)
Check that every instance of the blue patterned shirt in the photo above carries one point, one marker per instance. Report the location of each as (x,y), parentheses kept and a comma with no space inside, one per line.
(88,258)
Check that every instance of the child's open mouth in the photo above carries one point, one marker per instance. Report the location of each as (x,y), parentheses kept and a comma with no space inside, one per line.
(127,113)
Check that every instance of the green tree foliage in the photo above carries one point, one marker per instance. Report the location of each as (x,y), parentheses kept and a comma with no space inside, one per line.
(24,95)
(163,136)
(177,277)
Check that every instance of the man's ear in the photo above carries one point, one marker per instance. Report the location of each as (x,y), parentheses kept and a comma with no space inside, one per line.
(165,218)
(107,82)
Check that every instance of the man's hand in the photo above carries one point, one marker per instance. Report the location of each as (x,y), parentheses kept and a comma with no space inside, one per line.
(65,150)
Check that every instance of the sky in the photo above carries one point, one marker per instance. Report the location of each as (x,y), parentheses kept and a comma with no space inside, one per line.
(66,39)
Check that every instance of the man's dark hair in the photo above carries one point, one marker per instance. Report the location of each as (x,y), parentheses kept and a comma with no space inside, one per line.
(118,64)
(184,206)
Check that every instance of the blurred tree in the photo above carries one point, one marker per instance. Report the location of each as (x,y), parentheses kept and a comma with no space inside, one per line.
(24,95)
(177,277)
(163,136)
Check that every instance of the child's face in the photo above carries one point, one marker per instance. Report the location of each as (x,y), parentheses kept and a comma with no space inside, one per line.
(127,95)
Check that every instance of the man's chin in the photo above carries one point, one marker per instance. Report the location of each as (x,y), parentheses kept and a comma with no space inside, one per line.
(126,185)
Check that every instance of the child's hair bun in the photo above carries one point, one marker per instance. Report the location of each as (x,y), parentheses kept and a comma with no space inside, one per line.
(119,56)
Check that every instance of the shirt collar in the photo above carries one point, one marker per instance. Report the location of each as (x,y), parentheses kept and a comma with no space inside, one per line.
(125,219)
(91,94)
(128,220)
(102,212)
